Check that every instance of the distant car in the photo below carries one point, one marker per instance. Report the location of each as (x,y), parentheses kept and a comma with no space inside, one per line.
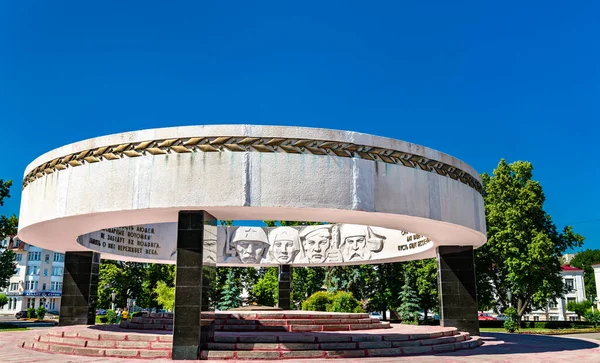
(21,314)
(501,317)
(101,312)
(485,316)
(375,315)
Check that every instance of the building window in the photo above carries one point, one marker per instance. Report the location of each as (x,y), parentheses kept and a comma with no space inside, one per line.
(553,317)
(34,256)
(526,318)
(552,305)
(19,257)
(569,284)
(58,257)
(44,286)
(17,271)
(47,258)
(57,271)
(536,318)
(573,318)
(571,300)
(45,272)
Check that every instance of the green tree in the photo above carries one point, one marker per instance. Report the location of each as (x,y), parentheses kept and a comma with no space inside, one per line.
(41,312)
(409,306)
(230,297)
(266,290)
(344,302)
(319,301)
(154,273)
(519,265)
(165,295)
(384,284)
(305,282)
(8,265)
(423,278)
(579,308)
(110,279)
(8,227)
(593,317)
(585,260)
(3,300)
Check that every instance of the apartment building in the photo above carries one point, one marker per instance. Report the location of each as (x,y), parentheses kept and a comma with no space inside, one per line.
(37,280)
(573,280)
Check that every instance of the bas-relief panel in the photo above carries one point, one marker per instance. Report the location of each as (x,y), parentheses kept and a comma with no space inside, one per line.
(301,245)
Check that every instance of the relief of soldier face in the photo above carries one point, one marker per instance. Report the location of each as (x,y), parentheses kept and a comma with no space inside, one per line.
(250,251)
(316,245)
(354,248)
(283,251)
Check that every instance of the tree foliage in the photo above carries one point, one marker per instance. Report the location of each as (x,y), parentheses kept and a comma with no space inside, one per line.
(3,300)
(132,280)
(519,265)
(579,308)
(231,294)
(344,302)
(422,276)
(409,302)
(585,260)
(165,295)
(305,282)
(317,301)
(8,226)
(266,289)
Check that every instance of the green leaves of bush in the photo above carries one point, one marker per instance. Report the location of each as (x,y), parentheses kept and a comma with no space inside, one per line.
(513,321)
(340,301)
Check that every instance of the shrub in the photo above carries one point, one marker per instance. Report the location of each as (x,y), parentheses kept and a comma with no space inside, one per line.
(100,319)
(30,313)
(593,318)
(111,317)
(41,312)
(317,301)
(344,302)
(512,322)
(3,300)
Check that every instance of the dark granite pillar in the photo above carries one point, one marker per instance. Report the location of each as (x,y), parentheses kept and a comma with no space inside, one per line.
(80,289)
(285,287)
(196,263)
(457,288)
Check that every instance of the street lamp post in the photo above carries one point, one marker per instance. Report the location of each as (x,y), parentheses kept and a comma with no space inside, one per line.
(113,295)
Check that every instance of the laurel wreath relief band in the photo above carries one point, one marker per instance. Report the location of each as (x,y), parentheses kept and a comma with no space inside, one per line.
(251,144)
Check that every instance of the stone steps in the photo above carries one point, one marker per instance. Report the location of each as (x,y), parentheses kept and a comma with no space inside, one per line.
(269,345)
(97,344)
(338,351)
(252,321)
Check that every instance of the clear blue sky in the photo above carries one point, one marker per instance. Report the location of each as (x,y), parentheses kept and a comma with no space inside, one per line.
(478,80)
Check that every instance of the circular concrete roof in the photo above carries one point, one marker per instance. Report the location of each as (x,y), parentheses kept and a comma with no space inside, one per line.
(246,172)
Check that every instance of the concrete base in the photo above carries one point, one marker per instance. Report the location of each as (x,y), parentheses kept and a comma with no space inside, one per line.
(110,341)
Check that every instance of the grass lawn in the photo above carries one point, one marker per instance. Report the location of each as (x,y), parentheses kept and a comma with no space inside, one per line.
(3,329)
(542,331)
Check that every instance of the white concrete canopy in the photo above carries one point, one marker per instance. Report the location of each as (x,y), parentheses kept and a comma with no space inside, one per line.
(244,172)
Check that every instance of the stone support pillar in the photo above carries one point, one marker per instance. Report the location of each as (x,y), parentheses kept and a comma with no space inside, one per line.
(196,267)
(457,288)
(80,289)
(285,287)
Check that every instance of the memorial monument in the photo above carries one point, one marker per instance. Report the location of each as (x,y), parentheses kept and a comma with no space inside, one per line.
(156,195)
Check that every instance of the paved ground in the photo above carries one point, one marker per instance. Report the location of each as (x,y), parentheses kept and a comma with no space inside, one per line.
(498,347)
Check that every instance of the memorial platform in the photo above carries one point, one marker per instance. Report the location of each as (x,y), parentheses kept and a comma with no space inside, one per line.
(112,341)
(283,320)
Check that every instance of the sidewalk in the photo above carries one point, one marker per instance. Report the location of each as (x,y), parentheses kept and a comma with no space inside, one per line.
(498,347)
